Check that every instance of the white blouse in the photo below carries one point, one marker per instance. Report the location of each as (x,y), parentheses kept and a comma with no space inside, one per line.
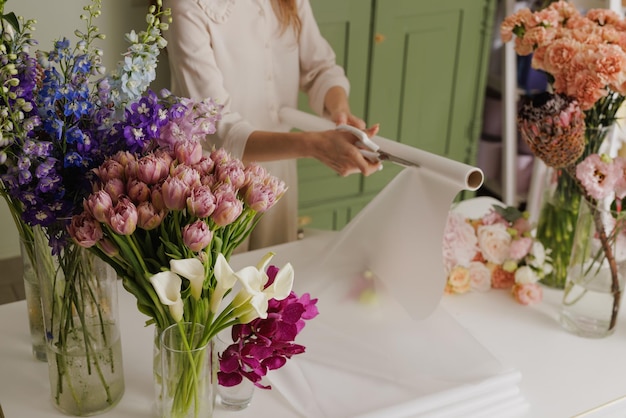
(233,51)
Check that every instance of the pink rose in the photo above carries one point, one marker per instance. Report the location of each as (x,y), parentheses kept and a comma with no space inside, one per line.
(520,248)
(480,276)
(459,280)
(85,230)
(494,241)
(197,236)
(527,293)
(123,217)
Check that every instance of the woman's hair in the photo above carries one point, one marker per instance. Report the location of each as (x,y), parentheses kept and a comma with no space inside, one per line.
(287,13)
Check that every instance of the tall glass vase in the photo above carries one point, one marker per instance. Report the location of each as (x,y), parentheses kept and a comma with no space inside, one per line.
(595,278)
(185,372)
(557,220)
(33,299)
(79,294)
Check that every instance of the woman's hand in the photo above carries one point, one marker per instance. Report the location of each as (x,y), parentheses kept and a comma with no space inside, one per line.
(338,150)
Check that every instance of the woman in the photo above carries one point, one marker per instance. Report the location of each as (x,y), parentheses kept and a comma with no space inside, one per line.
(254,56)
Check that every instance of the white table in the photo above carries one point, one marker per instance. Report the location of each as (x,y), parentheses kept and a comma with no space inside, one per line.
(562,374)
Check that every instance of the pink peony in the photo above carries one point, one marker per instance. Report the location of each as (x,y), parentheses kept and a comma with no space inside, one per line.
(460,244)
(528,293)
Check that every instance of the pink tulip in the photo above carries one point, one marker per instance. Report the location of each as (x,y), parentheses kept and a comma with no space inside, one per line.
(188,152)
(131,169)
(175,193)
(259,197)
(123,217)
(110,169)
(152,169)
(108,247)
(98,205)
(148,217)
(156,196)
(220,156)
(197,236)
(85,230)
(124,157)
(227,210)
(205,166)
(115,187)
(137,190)
(201,202)
(231,172)
(190,176)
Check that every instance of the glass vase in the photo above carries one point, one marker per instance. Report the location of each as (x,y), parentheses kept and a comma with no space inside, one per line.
(595,278)
(186,377)
(239,396)
(557,220)
(79,295)
(33,299)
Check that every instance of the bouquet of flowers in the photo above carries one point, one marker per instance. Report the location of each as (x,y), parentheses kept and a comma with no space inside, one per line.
(584,57)
(58,114)
(495,251)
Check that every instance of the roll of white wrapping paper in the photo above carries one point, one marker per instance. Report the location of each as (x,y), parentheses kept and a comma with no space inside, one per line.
(466,176)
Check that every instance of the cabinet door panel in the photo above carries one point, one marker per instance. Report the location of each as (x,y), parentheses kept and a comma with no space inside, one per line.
(428,75)
(346,26)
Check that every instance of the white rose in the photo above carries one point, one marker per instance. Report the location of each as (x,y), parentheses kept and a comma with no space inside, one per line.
(525,275)
(494,242)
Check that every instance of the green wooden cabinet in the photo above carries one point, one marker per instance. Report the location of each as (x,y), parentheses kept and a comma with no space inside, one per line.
(416,67)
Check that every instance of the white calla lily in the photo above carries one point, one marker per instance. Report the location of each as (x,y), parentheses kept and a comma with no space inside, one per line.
(225,279)
(167,286)
(191,269)
(283,283)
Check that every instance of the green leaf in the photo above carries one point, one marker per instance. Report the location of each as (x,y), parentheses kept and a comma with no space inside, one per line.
(12,19)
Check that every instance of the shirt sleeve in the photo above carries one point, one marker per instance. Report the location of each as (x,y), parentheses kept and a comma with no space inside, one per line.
(318,68)
(195,73)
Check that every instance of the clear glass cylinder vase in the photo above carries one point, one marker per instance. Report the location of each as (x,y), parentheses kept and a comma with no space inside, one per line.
(185,376)
(33,299)
(80,313)
(595,276)
(558,216)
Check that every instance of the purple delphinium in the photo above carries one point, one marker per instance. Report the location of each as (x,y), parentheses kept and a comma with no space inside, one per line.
(266,344)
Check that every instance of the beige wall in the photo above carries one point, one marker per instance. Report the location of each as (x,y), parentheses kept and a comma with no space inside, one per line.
(58,18)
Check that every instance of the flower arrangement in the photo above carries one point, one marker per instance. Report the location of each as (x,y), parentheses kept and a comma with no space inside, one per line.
(266,344)
(495,251)
(57,118)
(584,57)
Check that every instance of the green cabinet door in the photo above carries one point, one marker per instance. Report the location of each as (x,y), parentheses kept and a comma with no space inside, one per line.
(322,193)
(428,75)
